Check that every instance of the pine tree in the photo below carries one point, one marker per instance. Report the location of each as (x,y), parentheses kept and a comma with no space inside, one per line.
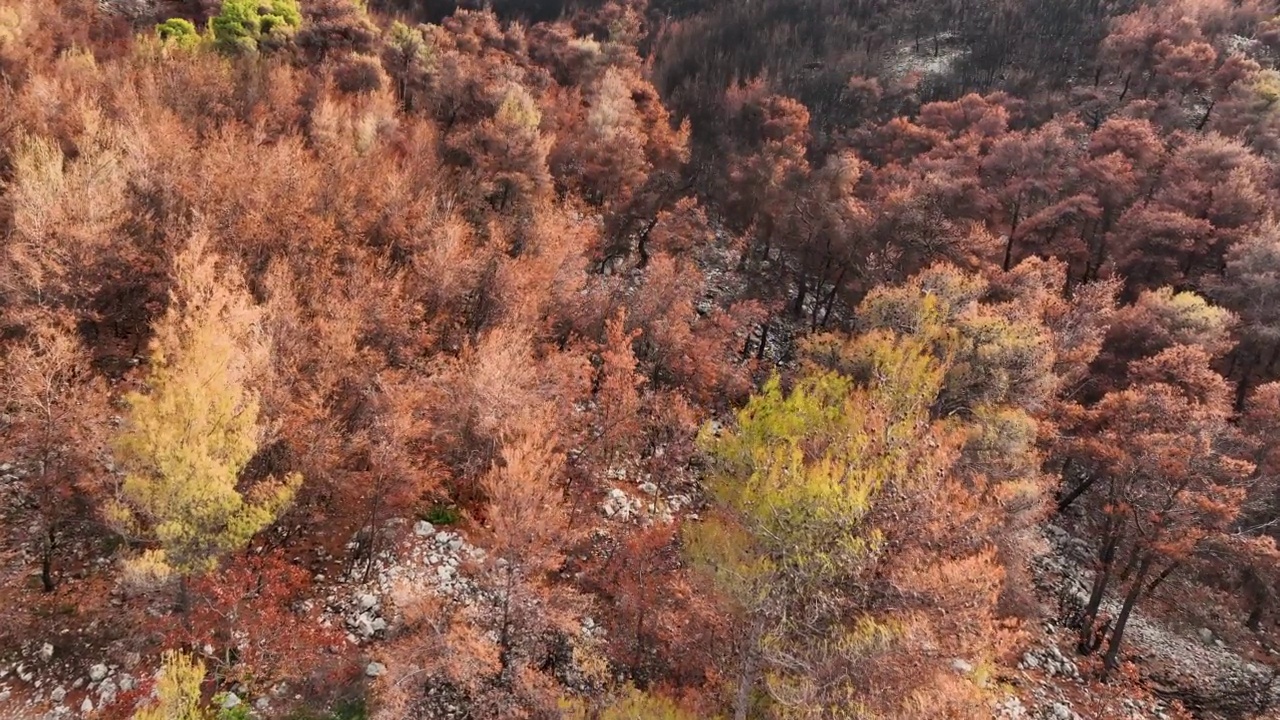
(189,437)
(794,481)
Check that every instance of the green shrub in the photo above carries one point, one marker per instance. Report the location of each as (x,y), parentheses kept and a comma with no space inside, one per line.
(243,24)
(179,32)
(441,514)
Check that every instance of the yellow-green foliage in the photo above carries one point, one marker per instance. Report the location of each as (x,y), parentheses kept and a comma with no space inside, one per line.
(1187,317)
(243,24)
(178,32)
(190,435)
(177,690)
(518,111)
(632,704)
(794,479)
(995,355)
(798,471)
(11,23)
(1267,87)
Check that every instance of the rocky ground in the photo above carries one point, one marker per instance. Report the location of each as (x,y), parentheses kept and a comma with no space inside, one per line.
(1180,671)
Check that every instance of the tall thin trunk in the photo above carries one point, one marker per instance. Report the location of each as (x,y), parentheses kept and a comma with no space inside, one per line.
(1125,90)
(1101,579)
(1130,600)
(1204,120)
(1129,564)
(50,544)
(1008,242)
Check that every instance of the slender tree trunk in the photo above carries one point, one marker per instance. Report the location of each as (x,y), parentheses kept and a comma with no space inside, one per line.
(1204,120)
(1101,578)
(642,245)
(797,310)
(1129,564)
(1008,241)
(1259,595)
(46,559)
(1130,600)
(1077,491)
(1164,575)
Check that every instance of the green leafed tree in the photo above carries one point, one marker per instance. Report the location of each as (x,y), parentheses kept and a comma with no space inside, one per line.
(794,479)
(178,32)
(191,433)
(243,25)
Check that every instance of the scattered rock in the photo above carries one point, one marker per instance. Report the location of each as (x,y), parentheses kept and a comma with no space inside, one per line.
(107,691)
(59,694)
(368,601)
(46,652)
(230,701)
(86,707)
(648,488)
(961,666)
(126,682)
(375,669)
(97,672)
(1062,711)
(422,528)
(1206,636)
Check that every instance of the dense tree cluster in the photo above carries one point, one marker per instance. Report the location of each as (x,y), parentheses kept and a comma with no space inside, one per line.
(861,295)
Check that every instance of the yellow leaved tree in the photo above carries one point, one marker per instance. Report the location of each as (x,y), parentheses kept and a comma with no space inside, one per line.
(189,436)
(177,690)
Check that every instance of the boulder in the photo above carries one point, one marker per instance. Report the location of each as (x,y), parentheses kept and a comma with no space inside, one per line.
(231,700)
(422,528)
(59,694)
(375,669)
(368,601)
(46,652)
(86,707)
(97,672)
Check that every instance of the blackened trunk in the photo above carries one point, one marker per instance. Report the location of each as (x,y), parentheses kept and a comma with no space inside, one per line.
(1130,600)
(1076,492)
(46,559)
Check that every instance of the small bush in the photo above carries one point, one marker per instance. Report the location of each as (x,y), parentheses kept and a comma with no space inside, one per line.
(441,514)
